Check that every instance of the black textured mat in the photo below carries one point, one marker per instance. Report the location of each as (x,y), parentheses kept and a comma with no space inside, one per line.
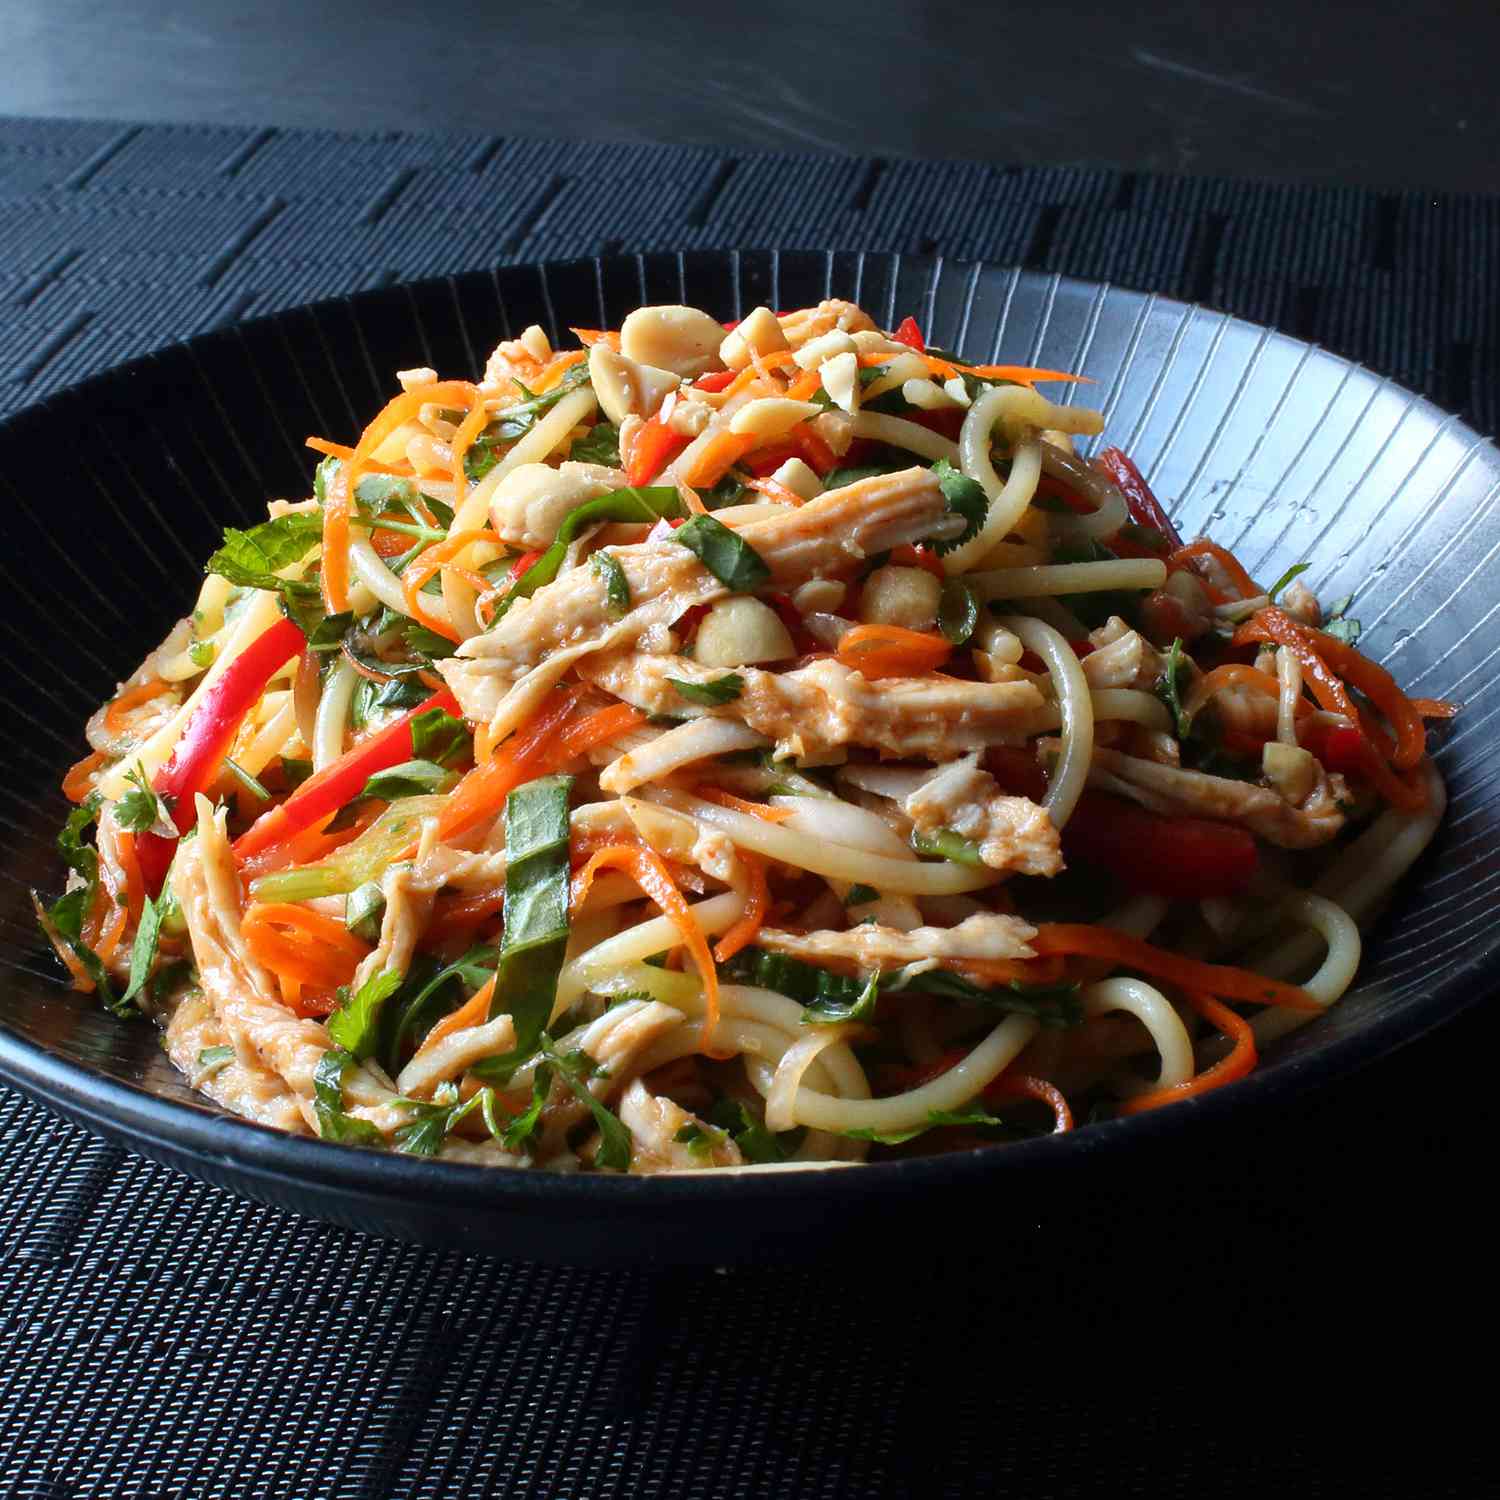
(1281,1318)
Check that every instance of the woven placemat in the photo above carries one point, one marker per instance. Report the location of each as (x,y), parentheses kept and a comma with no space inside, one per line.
(163,1339)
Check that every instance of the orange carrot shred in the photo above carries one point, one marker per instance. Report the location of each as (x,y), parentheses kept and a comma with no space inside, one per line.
(747,926)
(475,1011)
(1240,1061)
(297,943)
(1127,952)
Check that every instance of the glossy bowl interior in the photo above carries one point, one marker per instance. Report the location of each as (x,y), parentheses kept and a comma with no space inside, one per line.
(116,490)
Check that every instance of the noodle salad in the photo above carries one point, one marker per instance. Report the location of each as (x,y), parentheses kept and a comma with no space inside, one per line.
(732,744)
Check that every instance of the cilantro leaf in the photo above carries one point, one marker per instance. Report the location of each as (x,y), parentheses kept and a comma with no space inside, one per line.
(616,585)
(965,498)
(599,445)
(721,690)
(726,554)
(328,1102)
(355,1026)
(1169,687)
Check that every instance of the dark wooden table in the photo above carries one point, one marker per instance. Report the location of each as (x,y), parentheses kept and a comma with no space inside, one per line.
(1341,91)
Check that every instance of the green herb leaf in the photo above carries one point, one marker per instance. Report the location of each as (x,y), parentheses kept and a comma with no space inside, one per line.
(438,736)
(726,554)
(364,908)
(1169,687)
(536,916)
(721,690)
(804,982)
(648,504)
(79,856)
(965,498)
(943,843)
(212,1059)
(522,1127)
(142,809)
(295,771)
(1339,626)
(246,780)
(599,445)
(201,653)
(935,1118)
(1295,571)
(328,1102)
(328,634)
(575,1068)
(616,586)
(756,1143)
(958,611)
(1051,1004)
(147,938)
(355,1026)
(858,895)
(832,1012)
(252,558)
(427,995)
(412,778)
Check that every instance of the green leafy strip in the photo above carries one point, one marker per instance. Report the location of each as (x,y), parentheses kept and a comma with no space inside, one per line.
(599,445)
(616,585)
(536,917)
(721,690)
(252,559)
(726,554)
(213,1059)
(1169,687)
(935,1118)
(147,939)
(859,895)
(1339,626)
(141,809)
(943,843)
(438,736)
(756,1143)
(328,1102)
(649,504)
(355,1025)
(958,611)
(834,1012)
(515,422)
(1295,571)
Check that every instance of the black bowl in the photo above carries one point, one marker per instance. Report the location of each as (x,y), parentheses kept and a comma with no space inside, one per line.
(116,490)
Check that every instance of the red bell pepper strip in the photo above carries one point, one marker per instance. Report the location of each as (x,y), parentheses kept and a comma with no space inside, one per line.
(206,738)
(1145,509)
(715,380)
(908,333)
(338,783)
(655,446)
(1186,859)
(518,567)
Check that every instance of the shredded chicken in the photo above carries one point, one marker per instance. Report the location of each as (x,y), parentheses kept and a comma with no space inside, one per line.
(499,676)
(1013,833)
(260,1028)
(407,908)
(823,706)
(244,1085)
(655,1124)
(867,948)
(1174,792)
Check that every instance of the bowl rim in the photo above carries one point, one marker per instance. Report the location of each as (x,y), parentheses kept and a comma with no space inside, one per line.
(202,1130)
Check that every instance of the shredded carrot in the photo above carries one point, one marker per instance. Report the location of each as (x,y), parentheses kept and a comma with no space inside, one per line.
(1327,687)
(1434,708)
(892,651)
(297,943)
(483,791)
(130,867)
(78,783)
(342,450)
(1025,1086)
(110,935)
(775,491)
(424,565)
(339,503)
(747,926)
(142,692)
(649,871)
(1126,952)
(1371,679)
(1011,970)
(588,337)
(756,809)
(599,728)
(469,429)
(455,914)
(947,368)
(722,450)
(1224,557)
(555,369)
(1240,1061)
(820,457)
(805,385)
(81,981)
(475,1011)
